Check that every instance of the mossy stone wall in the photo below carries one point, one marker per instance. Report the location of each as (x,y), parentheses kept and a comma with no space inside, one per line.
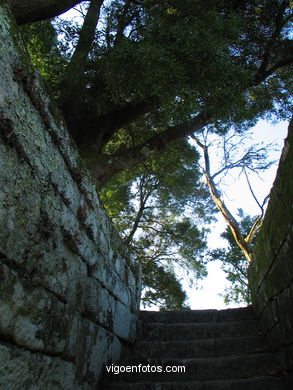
(271,272)
(69,291)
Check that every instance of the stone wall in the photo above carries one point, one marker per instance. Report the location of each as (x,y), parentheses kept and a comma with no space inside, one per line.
(69,291)
(271,272)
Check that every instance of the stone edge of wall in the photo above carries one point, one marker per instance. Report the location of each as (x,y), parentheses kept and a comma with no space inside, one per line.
(271,272)
(69,290)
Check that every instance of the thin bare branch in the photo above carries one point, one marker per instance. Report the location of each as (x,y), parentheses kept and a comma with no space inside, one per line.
(251,190)
(257,223)
(233,224)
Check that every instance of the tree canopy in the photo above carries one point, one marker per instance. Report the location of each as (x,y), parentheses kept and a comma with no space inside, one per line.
(160,71)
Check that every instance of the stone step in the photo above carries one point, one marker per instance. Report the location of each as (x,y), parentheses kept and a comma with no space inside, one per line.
(239,314)
(220,350)
(196,331)
(256,383)
(222,346)
(201,369)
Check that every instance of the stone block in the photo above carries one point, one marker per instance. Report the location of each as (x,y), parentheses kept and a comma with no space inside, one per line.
(66,188)
(280,274)
(284,312)
(275,337)
(268,318)
(96,303)
(124,323)
(285,357)
(120,267)
(95,346)
(112,282)
(21,369)
(32,317)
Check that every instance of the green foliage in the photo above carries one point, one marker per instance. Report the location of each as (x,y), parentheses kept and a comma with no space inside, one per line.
(171,47)
(160,213)
(187,56)
(234,264)
(40,40)
(163,289)
(191,55)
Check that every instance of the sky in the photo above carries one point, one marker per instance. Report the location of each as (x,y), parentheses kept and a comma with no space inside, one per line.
(206,295)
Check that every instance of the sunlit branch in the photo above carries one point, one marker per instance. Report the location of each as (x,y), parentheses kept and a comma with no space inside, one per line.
(233,224)
(258,222)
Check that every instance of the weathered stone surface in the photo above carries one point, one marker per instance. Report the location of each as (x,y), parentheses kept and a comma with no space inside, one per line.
(271,272)
(69,290)
(124,324)
(258,383)
(190,331)
(210,362)
(21,369)
(203,348)
(186,316)
(95,347)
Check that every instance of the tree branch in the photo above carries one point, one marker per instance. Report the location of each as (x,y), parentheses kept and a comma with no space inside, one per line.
(123,21)
(254,229)
(251,190)
(233,224)
(263,72)
(105,166)
(258,222)
(143,198)
(75,70)
(240,271)
(30,11)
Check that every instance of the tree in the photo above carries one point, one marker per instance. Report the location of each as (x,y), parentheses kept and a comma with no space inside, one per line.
(165,70)
(239,234)
(150,206)
(163,289)
(234,264)
(255,159)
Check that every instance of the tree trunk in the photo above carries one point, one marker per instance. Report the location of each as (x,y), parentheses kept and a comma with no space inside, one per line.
(103,167)
(241,241)
(78,62)
(29,11)
(101,130)
(234,227)
(73,97)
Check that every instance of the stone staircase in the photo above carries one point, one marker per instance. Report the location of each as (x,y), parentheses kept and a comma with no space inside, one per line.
(219,350)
